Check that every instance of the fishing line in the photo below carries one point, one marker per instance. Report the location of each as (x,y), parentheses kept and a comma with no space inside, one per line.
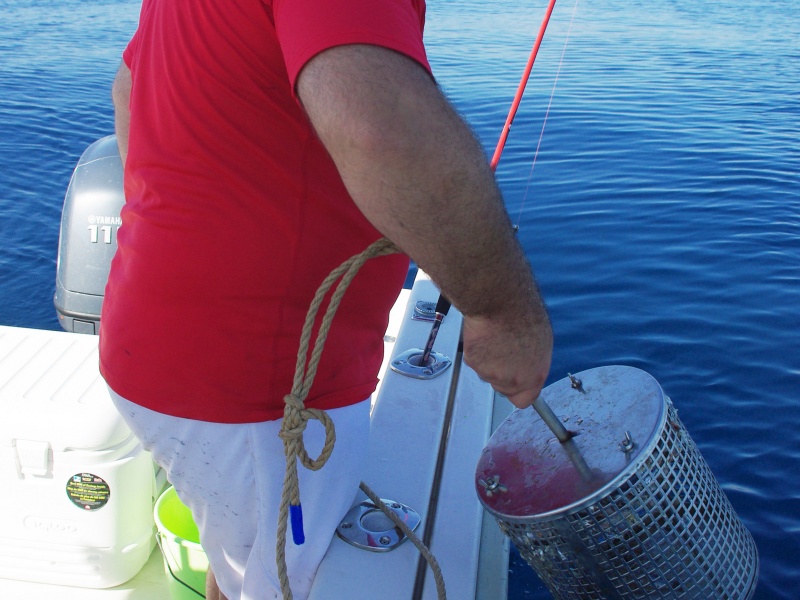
(444,302)
(546,115)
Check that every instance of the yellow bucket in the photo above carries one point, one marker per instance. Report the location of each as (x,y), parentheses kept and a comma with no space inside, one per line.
(185,560)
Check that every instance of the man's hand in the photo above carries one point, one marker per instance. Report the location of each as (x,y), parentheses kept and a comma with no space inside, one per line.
(514,357)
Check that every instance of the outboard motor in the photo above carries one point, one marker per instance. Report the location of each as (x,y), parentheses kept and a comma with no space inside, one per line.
(88,238)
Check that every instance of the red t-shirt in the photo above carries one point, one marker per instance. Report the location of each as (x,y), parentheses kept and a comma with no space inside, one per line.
(235,212)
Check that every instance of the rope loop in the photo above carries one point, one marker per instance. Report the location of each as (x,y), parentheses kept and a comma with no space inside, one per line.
(296,415)
(295,420)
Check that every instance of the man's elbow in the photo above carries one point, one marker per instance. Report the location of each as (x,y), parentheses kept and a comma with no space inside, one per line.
(121,88)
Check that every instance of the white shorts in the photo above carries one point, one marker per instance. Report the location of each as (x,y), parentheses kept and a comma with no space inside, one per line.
(231,476)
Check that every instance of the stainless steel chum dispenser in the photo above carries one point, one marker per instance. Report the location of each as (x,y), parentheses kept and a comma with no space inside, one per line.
(626,507)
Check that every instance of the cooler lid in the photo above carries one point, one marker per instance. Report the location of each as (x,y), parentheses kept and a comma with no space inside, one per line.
(525,473)
(51,391)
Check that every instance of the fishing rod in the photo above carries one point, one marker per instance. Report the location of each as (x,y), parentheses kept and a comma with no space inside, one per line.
(443,304)
(521,88)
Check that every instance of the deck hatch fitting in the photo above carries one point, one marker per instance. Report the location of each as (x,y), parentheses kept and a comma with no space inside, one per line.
(366,527)
(408,364)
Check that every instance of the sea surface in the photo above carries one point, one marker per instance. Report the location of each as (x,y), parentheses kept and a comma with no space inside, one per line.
(661,215)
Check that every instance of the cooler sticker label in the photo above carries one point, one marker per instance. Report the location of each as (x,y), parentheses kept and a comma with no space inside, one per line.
(88,491)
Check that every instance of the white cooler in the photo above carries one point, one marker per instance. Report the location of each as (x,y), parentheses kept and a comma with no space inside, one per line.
(77,490)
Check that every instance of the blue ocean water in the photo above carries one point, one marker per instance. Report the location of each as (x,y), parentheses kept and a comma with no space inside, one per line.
(662,215)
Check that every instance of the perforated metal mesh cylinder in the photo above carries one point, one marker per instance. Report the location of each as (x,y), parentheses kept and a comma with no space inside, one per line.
(630,510)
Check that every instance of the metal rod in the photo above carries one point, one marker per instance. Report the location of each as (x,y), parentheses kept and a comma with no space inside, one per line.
(564,436)
(575,456)
(551,420)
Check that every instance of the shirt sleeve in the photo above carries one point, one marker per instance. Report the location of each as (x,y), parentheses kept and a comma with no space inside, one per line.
(130,49)
(307,27)
(129,54)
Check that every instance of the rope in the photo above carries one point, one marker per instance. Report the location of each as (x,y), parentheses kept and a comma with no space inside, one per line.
(432,562)
(296,415)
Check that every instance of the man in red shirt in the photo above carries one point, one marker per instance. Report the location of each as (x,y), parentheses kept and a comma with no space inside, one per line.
(265,142)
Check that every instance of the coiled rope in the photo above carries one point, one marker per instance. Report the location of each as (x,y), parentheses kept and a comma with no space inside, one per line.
(296,417)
